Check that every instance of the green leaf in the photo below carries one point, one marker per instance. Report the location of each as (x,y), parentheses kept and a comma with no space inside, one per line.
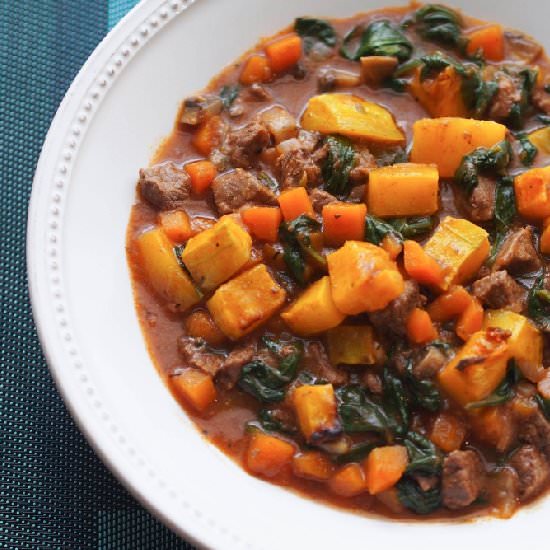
(313,31)
(228,94)
(415,499)
(423,454)
(424,393)
(414,227)
(379,38)
(505,212)
(396,403)
(356,453)
(268,181)
(538,304)
(358,413)
(262,381)
(376,229)
(527,79)
(527,151)
(270,422)
(439,24)
(338,164)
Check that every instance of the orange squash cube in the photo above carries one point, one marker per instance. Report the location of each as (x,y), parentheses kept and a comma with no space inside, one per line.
(268,455)
(312,465)
(349,481)
(533,193)
(195,387)
(315,407)
(384,467)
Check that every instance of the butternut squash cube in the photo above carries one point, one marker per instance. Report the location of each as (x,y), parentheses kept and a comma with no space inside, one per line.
(268,455)
(403,190)
(216,254)
(312,465)
(315,407)
(541,139)
(525,342)
(477,369)
(544,242)
(353,345)
(445,141)
(460,248)
(195,387)
(533,193)
(244,303)
(314,310)
(363,278)
(163,270)
(350,115)
(348,481)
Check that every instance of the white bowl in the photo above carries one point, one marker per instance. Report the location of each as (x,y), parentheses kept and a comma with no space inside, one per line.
(121,104)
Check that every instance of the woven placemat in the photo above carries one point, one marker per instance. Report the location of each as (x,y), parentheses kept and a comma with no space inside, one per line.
(54,492)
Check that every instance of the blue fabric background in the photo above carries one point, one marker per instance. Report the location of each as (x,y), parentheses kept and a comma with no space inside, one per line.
(54,492)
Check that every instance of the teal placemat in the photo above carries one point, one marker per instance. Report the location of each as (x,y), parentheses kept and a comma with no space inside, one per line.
(54,492)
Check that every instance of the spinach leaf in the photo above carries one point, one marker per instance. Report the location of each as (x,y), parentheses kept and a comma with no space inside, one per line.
(538,304)
(414,227)
(505,212)
(482,160)
(376,229)
(268,181)
(356,453)
(396,403)
(527,151)
(271,421)
(358,413)
(379,38)
(544,405)
(424,393)
(527,79)
(339,162)
(263,381)
(423,454)
(415,499)
(228,94)
(439,23)
(315,30)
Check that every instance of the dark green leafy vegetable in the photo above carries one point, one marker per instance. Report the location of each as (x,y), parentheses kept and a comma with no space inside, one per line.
(414,227)
(339,162)
(526,79)
(505,211)
(268,181)
(424,393)
(357,453)
(415,499)
(387,157)
(271,421)
(379,38)
(359,413)
(396,403)
(439,23)
(263,381)
(228,94)
(376,229)
(527,151)
(423,454)
(313,31)
(538,304)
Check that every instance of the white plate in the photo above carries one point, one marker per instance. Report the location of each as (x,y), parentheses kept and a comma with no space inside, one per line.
(121,104)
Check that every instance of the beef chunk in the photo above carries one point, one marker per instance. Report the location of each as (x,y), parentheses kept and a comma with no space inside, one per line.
(535,430)
(373,382)
(522,48)
(499,290)
(393,318)
(234,189)
(532,469)
(364,163)
(463,476)
(166,186)
(320,198)
(244,144)
(196,354)
(317,362)
(541,99)
(230,370)
(432,361)
(482,200)
(357,194)
(297,167)
(507,94)
(517,253)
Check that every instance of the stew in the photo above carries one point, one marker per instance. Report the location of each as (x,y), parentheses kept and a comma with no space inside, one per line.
(340,255)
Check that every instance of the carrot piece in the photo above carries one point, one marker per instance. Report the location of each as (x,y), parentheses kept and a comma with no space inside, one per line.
(195,387)
(343,222)
(312,465)
(349,481)
(450,304)
(208,135)
(384,467)
(420,266)
(447,432)
(263,222)
(420,328)
(284,53)
(202,173)
(201,325)
(490,40)
(267,455)
(176,225)
(470,320)
(295,202)
(256,69)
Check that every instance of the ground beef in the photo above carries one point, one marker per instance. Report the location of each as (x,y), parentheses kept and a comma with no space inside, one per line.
(297,168)
(166,186)
(429,364)
(320,198)
(517,253)
(462,481)
(364,163)
(317,362)
(535,430)
(393,318)
(245,143)
(499,290)
(234,189)
(482,200)
(197,354)
(507,94)
(230,370)
(532,469)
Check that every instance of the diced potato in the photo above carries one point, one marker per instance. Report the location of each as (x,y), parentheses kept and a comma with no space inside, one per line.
(350,115)
(363,278)
(477,369)
(403,190)
(315,407)
(349,481)
(195,387)
(533,193)
(353,345)
(312,465)
(268,455)
(384,467)
(445,141)
(314,310)
(541,139)
(525,343)
(244,303)
(460,248)
(216,254)
(163,270)
(280,123)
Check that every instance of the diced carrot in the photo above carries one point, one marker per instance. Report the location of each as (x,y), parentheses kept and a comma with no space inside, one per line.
(312,465)
(294,202)
(384,467)
(349,481)
(202,173)
(420,328)
(201,325)
(208,135)
(256,69)
(284,53)
(490,40)
(470,320)
(176,225)
(448,432)
(343,222)
(195,387)
(392,246)
(450,304)
(263,222)
(267,455)
(420,266)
